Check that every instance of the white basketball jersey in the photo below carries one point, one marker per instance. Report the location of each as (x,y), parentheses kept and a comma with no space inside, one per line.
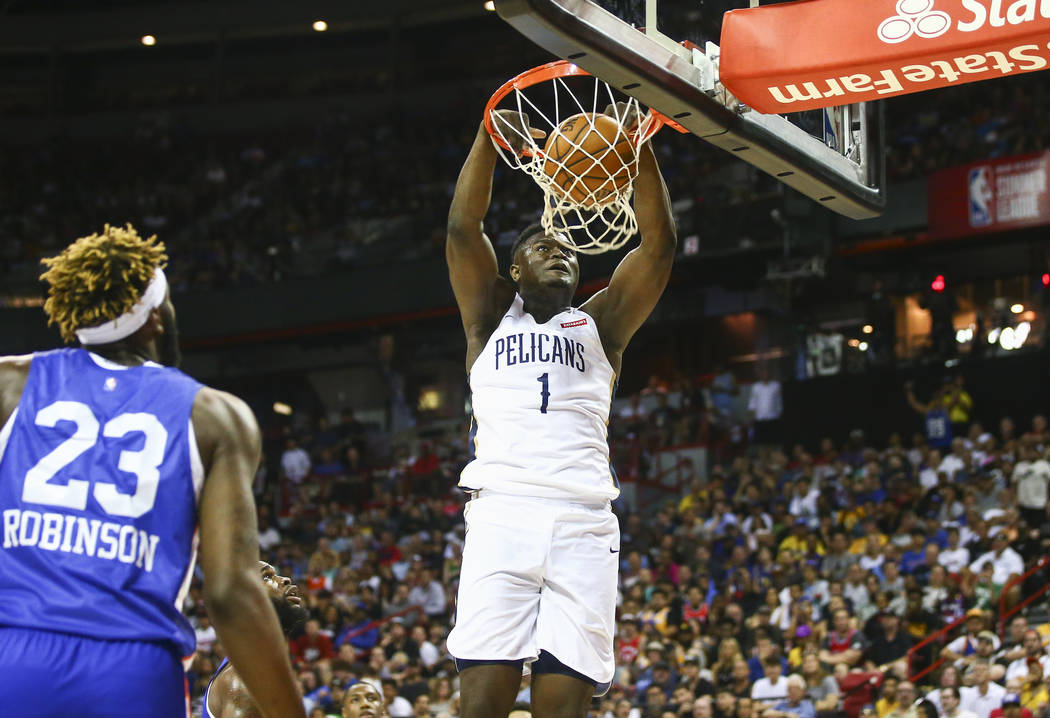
(541,395)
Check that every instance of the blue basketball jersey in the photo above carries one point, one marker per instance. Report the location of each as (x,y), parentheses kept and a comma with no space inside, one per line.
(938,429)
(205,710)
(99,480)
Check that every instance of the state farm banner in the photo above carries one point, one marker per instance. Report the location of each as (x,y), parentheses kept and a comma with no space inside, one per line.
(990,196)
(821,53)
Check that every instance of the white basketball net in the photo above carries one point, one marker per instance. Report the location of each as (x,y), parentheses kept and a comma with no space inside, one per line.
(594,217)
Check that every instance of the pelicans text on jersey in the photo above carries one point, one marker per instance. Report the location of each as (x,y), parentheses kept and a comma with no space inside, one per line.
(541,396)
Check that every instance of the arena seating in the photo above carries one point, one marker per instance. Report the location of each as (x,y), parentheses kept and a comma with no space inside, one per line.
(744,566)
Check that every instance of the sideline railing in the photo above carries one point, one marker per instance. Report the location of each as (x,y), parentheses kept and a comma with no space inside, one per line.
(372,625)
(1005,615)
(671,477)
(934,665)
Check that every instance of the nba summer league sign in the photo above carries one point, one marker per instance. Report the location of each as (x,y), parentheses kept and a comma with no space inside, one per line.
(991,196)
(801,56)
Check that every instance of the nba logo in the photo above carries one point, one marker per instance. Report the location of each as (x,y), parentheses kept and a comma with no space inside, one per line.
(982,196)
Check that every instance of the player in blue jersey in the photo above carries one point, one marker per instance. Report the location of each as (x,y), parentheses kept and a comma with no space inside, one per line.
(227,696)
(114,465)
(539,577)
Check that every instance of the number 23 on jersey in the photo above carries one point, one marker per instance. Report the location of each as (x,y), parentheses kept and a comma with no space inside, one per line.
(144,464)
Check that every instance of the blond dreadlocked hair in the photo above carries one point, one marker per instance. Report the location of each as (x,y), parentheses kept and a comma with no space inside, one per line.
(99,277)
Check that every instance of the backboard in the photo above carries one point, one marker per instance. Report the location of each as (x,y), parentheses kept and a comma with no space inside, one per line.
(839,163)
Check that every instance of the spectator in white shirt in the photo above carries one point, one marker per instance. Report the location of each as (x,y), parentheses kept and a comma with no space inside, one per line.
(955,461)
(430,647)
(429,594)
(928,478)
(766,407)
(1006,562)
(396,706)
(772,688)
(205,632)
(1033,648)
(1031,476)
(950,704)
(984,696)
(964,649)
(854,588)
(804,503)
(269,536)
(949,678)
(872,558)
(295,462)
(758,522)
(954,558)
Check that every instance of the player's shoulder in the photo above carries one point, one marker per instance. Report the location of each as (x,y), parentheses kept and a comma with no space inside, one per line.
(218,414)
(228,696)
(216,401)
(14,372)
(596,304)
(15,364)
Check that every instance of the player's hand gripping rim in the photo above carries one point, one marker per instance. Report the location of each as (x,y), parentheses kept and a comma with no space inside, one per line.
(514,128)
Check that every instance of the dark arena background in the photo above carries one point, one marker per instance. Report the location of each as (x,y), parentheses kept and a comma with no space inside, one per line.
(821,435)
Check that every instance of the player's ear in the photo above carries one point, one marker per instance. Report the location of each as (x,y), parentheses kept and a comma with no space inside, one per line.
(155,323)
(515,272)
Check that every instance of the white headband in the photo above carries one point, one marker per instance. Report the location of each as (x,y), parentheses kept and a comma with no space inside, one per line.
(132,320)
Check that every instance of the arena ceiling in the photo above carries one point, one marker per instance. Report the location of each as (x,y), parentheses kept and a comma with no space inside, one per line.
(91,25)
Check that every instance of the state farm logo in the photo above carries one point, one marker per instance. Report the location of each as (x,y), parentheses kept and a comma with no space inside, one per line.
(914,17)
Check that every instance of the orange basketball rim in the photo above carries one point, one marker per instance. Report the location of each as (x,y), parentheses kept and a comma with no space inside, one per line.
(560,69)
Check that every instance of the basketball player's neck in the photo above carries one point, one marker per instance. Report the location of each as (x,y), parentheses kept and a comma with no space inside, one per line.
(125,352)
(543,303)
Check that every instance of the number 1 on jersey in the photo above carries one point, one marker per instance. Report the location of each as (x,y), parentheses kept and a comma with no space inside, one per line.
(545,393)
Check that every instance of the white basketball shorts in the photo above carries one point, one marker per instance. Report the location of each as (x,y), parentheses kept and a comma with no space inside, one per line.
(538,574)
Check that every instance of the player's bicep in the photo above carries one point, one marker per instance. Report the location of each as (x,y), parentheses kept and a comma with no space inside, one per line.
(473,271)
(632,294)
(229,540)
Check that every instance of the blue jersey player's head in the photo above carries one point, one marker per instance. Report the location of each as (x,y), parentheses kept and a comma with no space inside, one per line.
(109,293)
(363,700)
(544,266)
(284,595)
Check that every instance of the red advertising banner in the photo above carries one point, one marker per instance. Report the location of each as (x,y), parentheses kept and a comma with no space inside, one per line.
(990,196)
(821,53)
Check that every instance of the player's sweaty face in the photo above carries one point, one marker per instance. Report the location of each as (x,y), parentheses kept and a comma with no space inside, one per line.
(278,587)
(363,701)
(546,261)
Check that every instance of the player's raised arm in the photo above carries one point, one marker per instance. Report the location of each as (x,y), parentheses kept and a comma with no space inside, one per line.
(237,602)
(640,279)
(473,269)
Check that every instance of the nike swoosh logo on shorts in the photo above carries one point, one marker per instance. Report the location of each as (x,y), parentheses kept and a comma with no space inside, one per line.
(616,551)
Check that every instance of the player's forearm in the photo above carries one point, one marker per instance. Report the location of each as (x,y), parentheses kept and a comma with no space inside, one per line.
(652,205)
(247,625)
(473,192)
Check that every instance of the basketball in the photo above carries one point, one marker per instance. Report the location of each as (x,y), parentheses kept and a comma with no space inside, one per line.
(589,158)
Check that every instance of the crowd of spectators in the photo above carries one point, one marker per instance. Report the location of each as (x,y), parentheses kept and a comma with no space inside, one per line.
(787,581)
(257,207)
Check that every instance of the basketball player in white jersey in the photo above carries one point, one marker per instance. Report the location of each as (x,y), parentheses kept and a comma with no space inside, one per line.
(538,584)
